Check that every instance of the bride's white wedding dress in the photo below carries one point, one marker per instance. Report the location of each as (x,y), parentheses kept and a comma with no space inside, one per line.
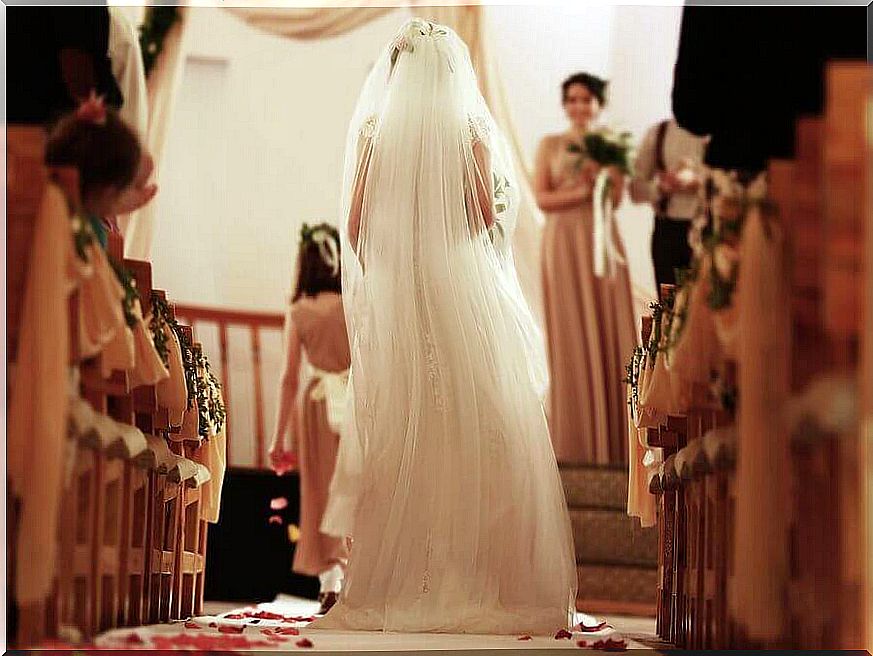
(460,522)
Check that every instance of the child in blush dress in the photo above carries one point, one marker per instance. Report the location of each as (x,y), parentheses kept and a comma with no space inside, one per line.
(113,167)
(307,424)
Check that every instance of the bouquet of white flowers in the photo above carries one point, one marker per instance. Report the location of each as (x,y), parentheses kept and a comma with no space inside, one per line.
(609,150)
(606,148)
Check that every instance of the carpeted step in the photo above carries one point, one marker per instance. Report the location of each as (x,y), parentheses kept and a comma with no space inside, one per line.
(593,486)
(617,584)
(611,537)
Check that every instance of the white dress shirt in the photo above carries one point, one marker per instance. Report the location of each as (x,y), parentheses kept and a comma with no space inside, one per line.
(681,149)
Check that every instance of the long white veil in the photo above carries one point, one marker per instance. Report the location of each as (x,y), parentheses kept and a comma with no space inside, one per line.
(461,523)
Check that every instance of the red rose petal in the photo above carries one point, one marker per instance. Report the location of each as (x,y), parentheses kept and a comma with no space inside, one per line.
(212,625)
(229,628)
(133,639)
(525,637)
(192,625)
(593,628)
(582,643)
(305,642)
(234,616)
(295,619)
(279,503)
(267,615)
(610,645)
(287,630)
(563,634)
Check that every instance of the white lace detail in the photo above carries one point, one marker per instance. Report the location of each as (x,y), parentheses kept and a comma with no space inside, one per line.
(478,128)
(368,127)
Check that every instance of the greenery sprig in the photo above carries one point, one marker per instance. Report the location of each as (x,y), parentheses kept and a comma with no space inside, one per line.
(501,187)
(83,235)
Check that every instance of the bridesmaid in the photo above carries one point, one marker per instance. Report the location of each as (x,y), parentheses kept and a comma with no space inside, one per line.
(308,427)
(589,320)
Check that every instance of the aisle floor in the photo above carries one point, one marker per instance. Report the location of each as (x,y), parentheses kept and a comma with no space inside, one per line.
(281,626)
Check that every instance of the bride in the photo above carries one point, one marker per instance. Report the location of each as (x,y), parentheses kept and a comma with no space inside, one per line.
(460,523)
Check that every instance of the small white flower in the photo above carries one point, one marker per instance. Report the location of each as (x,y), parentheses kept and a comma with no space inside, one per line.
(725,258)
(757,190)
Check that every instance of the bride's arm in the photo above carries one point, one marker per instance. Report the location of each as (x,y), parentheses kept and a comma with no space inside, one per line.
(555,200)
(484,185)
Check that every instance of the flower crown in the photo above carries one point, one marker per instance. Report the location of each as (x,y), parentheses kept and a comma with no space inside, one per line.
(415,30)
(92,110)
(326,237)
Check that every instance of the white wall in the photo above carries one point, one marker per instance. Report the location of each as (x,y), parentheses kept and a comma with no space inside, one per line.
(256,146)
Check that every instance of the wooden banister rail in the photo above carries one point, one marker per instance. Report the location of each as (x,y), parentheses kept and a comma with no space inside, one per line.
(255,322)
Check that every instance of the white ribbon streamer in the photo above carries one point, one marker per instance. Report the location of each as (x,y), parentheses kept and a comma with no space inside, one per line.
(331,388)
(327,248)
(606,252)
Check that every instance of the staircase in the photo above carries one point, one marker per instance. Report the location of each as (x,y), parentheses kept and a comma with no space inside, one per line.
(616,560)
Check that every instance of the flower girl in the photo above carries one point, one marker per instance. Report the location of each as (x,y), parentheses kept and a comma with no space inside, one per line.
(307,428)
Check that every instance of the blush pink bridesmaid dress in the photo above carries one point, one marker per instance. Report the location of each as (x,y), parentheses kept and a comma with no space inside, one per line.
(589,329)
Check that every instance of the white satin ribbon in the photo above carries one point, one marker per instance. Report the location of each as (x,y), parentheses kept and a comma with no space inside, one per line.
(327,247)
(331,388)
(606,252)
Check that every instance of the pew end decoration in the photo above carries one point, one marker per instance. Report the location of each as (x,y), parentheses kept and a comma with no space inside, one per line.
(744,401)
(114,532)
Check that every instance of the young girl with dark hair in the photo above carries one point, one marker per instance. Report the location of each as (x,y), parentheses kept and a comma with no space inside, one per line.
(112,165)
(307,424)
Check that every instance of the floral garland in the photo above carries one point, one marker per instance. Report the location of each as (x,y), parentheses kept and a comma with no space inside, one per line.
(729,195)
(152,33)
(131,295)
(677,315)
(158,324)
(655,338)
(201,383)
(632,377)
(209,403)
(160,308)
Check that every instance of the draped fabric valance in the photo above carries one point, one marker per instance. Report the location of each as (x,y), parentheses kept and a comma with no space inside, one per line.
(308,22)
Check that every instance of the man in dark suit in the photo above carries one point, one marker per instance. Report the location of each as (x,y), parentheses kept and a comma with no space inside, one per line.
(55,56)
(745,74)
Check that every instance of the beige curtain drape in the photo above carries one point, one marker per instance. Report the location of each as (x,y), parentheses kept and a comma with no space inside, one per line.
(37,423)
(756,594)
(162,89)
(308,22)
(127,67)
(470,23)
